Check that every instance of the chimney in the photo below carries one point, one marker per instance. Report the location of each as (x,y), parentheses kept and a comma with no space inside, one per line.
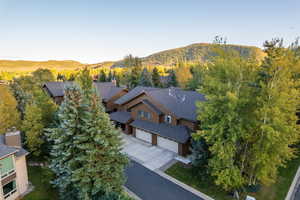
(13,139)
(114,81)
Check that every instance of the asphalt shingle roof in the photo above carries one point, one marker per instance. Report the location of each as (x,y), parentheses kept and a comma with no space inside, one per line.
(177,133)
(6,150)
(134,93)
(180,102)
(120,116)
(105,89)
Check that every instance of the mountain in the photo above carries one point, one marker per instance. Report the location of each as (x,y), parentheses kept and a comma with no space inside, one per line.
(195,52)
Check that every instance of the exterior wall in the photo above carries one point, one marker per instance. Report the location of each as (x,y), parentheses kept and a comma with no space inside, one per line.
(184,149)
(22,176)
(143,107)
(58,100)
(110,105)
(191,125)
(138,99)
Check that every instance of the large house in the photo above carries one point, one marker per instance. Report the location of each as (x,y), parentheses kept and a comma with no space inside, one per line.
(165,117)
(108,91)
(162,117)
(14,178)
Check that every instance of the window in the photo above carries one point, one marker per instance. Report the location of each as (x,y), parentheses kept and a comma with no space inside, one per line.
(144,114)
(7,166)
(168,119)
(9,189)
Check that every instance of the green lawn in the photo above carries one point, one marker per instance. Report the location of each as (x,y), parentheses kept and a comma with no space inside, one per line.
(205,185)
(40,177)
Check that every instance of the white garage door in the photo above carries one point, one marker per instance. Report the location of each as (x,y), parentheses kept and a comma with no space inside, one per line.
(143,135)
(167,144)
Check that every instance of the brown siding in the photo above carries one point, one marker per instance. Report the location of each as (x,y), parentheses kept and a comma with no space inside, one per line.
(141,97)
(191,125)
(110,105)
(143,107)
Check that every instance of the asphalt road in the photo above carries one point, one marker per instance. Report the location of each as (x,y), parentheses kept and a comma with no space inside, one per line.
(148,185)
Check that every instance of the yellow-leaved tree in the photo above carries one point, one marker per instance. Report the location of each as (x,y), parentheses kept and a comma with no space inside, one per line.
(9,115)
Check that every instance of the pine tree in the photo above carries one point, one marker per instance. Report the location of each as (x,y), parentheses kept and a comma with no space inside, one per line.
(110,76)
(172,79)
(64,151)
(102,163)
(156,77)
(102,76)
(146,79)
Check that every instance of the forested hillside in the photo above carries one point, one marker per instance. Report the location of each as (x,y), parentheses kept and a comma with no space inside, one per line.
(195,52)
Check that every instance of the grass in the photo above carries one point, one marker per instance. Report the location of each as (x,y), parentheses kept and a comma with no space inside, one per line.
(40,178)
(276,191)
(204,184)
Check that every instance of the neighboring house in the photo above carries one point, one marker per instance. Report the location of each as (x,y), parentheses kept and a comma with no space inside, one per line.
(108,91)
(162,117)
(14,178)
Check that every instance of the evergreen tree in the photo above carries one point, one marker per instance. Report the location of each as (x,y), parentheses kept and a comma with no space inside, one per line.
(102,76)
(172,79)
(86,151)
(110,76)
(64,151)
(156,77)
(145,79)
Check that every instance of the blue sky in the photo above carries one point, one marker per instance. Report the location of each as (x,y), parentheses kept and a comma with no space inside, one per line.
(96,30)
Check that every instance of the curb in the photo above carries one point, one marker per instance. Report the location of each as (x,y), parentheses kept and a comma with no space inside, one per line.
(131,194)
(295,183)
(186,187)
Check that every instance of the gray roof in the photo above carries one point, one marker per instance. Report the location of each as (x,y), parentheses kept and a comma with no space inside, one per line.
(180,102)
(6,150)
(133,93)
(120,116)
(105,89)
(177,133)
(150,105)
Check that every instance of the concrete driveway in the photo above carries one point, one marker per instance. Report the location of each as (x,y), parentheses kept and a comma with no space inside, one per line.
(152,157)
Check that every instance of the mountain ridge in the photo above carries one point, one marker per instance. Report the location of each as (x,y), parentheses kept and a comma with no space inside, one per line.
(201,52)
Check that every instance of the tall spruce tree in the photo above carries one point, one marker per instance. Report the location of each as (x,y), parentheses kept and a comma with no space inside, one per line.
(156,77)
(87,147)
(146,79)
(102,76)
(172,79)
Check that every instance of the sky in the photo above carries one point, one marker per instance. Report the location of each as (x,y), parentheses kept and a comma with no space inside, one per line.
(93,31)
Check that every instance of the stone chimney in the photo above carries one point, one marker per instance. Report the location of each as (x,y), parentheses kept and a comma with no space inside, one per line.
(13,139)
(114,81)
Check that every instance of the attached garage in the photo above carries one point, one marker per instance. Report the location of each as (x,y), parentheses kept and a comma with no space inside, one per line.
(143,135)
(167,144)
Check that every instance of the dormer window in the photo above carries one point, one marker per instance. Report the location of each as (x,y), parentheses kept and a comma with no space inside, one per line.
(168,119)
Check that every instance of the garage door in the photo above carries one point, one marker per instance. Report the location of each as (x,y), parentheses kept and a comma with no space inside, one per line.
(167,144)
(145,136)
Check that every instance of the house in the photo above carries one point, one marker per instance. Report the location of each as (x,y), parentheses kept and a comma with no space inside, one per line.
(108,91)
(162,117)
(14,178)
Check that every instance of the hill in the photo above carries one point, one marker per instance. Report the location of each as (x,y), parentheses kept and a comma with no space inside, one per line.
(195,52)
(198,52)
(23,65)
